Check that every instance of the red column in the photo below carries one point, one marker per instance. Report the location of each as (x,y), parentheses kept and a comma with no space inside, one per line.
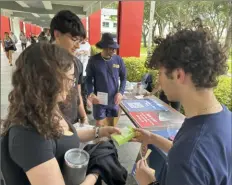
(38,30)
(4,25)
(33,29)
(95,27)
(130,21)
(28,29)
(84,22)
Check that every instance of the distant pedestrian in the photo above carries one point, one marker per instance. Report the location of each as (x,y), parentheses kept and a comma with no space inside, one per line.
(8,46)
(23,40)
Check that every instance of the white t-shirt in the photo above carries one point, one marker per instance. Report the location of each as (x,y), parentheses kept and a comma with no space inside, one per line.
(84,58)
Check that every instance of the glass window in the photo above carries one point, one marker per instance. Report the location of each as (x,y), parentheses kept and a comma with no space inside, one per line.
(106,24)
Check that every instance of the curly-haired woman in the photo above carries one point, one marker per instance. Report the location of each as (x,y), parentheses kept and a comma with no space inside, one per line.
(38,134)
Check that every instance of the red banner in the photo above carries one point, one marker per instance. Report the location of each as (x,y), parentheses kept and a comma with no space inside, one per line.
(146,119)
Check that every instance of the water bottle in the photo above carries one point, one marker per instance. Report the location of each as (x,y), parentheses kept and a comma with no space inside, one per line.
(75,166)
(139,86)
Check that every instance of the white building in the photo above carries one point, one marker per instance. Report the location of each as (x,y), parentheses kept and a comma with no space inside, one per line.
(109,21)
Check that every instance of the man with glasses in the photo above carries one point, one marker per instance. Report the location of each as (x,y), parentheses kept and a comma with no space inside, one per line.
(104,71)
(68,32)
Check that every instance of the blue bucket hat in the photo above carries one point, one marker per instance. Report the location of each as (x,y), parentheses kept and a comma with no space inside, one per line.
(107,41)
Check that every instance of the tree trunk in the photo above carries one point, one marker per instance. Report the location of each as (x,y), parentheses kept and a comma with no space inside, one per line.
(228,42)
(153,34)
(151,20)
(160,28)
(144,40)
(144,34)
(169,26)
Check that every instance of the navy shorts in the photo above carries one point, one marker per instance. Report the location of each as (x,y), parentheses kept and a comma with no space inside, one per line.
(101,112)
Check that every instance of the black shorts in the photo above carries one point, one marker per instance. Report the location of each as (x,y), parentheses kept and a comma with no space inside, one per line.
(10,48)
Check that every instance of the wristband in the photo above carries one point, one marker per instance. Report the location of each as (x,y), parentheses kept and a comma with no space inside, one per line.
(97,129)
(84,119)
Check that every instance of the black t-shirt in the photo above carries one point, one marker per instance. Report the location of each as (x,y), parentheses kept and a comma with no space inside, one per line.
(28,149)
(80,71)
(69,108)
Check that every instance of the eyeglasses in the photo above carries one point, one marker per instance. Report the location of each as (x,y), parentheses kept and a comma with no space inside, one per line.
(71,83)
(74,82)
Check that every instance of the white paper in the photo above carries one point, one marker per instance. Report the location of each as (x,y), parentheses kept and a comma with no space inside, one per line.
(103,98)
(139,97)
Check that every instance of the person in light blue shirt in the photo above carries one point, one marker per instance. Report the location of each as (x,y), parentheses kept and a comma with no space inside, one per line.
(189,64)
(103,72)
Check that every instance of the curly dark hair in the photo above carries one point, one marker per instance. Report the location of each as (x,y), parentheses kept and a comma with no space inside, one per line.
(196,52)
(39,77)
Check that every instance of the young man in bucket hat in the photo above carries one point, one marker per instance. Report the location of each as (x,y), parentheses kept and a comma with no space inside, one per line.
(104,71)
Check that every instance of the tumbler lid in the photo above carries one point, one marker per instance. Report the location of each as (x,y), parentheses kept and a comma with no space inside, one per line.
(76,157)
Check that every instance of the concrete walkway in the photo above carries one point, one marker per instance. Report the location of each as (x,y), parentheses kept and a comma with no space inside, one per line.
(6,73)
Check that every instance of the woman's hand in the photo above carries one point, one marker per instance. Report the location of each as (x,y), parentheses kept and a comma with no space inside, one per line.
(107,131)
(90,179)
(144,175)
(146,94)
(142,136)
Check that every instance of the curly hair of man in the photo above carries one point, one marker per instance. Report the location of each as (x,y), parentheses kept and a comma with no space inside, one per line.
(196,52)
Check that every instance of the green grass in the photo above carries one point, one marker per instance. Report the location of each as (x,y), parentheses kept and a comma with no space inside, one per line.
(143,50)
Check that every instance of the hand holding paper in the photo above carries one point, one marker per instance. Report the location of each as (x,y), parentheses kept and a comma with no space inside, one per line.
(127,134)
(103,98)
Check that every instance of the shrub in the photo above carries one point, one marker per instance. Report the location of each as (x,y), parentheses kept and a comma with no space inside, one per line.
(95,50)
(223,91)
(135,68)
